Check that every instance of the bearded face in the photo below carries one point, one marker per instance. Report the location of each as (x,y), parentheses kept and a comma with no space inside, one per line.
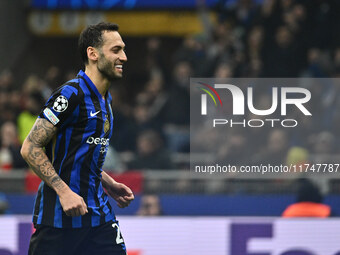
(109,69)
(111,56)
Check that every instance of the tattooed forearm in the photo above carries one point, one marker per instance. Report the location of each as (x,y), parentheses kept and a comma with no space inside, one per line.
(35,153)
(35,156)
(46,168)
(53,180)
(42,132)
(57,182)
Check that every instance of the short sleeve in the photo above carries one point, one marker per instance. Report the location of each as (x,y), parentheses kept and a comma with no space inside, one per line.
(61,105)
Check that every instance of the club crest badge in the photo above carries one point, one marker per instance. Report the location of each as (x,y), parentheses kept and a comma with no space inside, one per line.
(106,126)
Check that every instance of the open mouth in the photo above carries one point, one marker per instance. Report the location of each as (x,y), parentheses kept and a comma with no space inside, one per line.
(119,68)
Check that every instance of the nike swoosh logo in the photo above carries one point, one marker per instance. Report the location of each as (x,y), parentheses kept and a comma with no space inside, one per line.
(94,114)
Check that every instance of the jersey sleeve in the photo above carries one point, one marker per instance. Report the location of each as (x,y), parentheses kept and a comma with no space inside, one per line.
(61,105)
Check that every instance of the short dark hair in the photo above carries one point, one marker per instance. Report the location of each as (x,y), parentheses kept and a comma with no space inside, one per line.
(92,36)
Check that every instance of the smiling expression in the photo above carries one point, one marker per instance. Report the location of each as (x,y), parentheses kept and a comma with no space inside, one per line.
(111,55)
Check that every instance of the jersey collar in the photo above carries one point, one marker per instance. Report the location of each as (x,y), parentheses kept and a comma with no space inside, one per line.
(93,87)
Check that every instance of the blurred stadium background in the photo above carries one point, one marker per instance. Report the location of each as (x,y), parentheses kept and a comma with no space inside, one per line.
(168,42)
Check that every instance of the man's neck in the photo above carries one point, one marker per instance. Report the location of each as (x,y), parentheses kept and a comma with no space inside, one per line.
(101,83)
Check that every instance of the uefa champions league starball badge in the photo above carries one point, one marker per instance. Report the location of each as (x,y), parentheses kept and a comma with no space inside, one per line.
(60,104)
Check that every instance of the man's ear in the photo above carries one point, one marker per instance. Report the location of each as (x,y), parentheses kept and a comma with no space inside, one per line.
(92,53)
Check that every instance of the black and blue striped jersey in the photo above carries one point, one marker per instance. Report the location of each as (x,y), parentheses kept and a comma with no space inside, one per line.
(84,120)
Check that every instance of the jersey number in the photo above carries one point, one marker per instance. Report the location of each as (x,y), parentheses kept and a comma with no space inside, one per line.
(119,238)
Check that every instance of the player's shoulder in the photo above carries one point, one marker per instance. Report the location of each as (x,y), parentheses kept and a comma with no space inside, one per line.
(69,88)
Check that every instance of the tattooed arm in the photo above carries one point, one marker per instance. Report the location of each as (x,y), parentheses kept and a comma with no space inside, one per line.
(32,151)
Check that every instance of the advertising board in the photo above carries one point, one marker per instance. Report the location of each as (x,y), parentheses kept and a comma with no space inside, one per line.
(203,235)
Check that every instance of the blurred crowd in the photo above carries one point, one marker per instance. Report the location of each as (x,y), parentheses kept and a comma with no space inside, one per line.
(277,38)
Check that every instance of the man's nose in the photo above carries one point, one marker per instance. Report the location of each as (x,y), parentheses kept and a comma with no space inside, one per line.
(123,57)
